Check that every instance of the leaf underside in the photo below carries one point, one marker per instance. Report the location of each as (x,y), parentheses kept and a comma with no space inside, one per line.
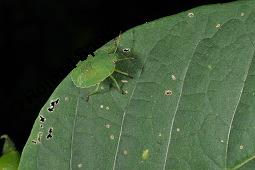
(190,106)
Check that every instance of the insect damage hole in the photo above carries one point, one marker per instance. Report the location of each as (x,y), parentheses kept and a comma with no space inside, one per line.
(49,135)
(42,119)
(53,104)
(126,50)
(168,92)
(51,109)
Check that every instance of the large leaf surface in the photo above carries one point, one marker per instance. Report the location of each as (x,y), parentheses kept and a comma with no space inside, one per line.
(190,106)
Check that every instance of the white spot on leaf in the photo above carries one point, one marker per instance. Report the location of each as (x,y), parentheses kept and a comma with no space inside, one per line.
(242,14)
(218,26)
(112,137)
(178,129)
(125,152)
(190,14)
(107,108)
(79,165)
(241,147)
(173,77)
(108,126)
(101,106)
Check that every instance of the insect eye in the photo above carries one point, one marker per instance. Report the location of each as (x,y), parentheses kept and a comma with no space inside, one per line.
(126,50)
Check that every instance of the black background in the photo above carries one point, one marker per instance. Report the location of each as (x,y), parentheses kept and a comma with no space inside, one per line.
(39,39)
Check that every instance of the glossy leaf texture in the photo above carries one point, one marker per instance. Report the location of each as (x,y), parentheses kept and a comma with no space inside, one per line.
(190,105)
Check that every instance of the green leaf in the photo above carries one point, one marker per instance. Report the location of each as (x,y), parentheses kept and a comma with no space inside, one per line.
(190,106)
(10,158)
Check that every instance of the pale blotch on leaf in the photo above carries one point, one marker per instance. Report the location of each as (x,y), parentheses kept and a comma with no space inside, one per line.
(125,91)
(218,26)
(242,14)
(108,126)
(79,165)
(124,81)
(102,87)
(125,152)
(107,108)
(145,154)
(178,129)
(168,92)
(101,106)
(241,147)
(39,137)
(66,99)
(173,77)
(159,134)
(126,50)
(190,14)
(221,141)
(112,137)
(210,67)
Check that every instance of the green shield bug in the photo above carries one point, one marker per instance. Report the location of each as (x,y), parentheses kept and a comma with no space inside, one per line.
(92,71)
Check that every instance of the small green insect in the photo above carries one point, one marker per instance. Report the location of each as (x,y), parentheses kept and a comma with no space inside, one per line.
(94,70)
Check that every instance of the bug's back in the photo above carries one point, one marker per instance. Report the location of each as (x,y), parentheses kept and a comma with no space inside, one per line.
(93,70)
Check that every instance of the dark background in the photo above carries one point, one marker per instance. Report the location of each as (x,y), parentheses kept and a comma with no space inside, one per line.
(39,39)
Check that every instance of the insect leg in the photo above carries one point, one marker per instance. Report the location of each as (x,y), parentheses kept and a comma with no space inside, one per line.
(114,48)
(94,92)
(116,83)
(124,73)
